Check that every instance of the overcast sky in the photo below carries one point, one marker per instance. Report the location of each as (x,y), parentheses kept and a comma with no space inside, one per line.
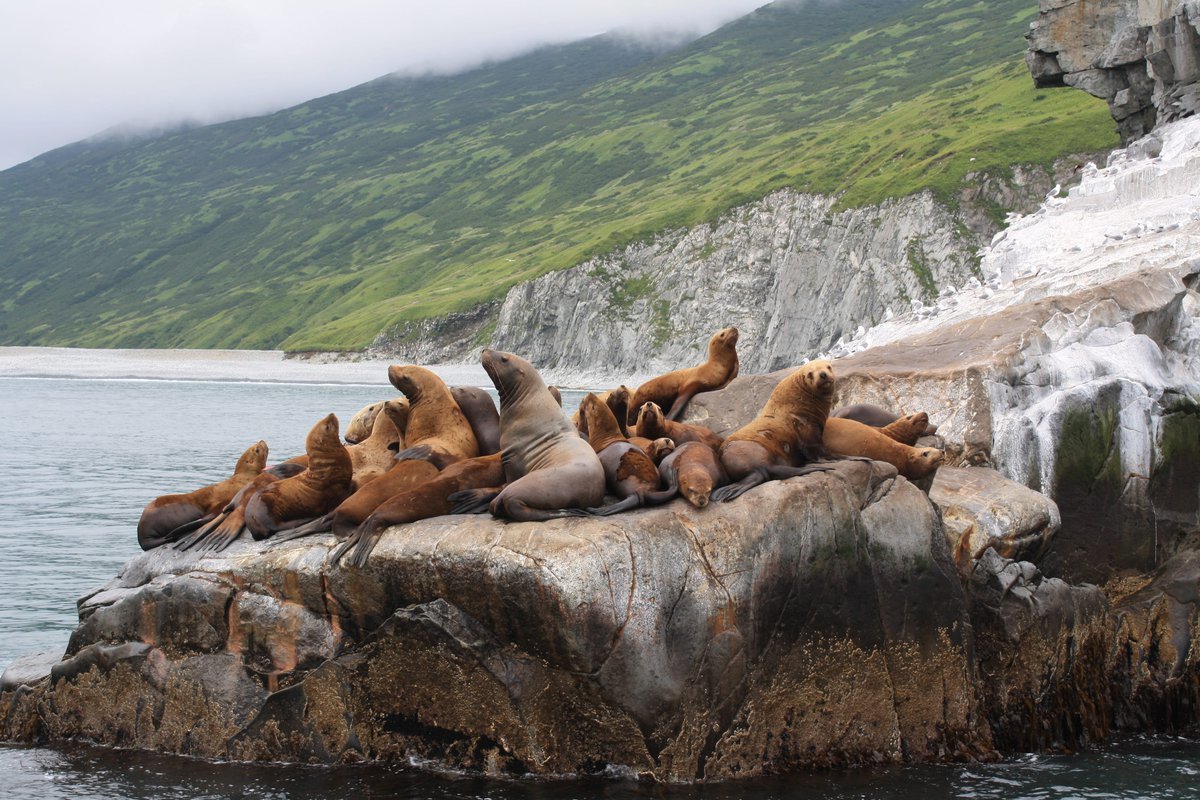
(70,69)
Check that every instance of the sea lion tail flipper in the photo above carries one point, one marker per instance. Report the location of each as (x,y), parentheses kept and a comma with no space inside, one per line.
(681,400)
(198,536)
(472,501)
(632,501)
(318,525)
(737,489)
(661,496)
(178,533)
(343,547)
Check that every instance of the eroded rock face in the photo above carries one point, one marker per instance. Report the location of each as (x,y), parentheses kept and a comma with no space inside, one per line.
(1086,397)
(1142,57)
(798,626)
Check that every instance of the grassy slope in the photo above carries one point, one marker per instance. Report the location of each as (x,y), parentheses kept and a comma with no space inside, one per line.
(319,226)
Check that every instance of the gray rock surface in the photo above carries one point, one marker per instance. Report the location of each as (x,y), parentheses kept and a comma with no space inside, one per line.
(1142,56)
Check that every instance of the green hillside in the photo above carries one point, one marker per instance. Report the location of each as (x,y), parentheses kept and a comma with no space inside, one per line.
(319,226)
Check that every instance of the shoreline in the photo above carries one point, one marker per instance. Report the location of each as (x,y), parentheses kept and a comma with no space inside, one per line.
(245,366)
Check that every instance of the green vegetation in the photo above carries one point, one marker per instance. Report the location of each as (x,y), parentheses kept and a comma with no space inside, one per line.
(319,226)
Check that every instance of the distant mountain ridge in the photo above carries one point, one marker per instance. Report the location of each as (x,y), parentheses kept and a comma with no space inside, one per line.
(322,225)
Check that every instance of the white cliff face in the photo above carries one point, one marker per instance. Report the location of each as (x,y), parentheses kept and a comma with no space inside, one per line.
(790,272)
(1093,316)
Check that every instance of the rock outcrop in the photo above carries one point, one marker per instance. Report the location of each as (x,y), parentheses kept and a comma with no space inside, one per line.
(1142,56)
(820,622)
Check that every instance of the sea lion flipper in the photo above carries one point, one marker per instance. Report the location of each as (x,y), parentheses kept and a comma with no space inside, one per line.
(681,400)
(632,501)
(198,536)
(318,525)
(187,527)
(343,547)
(472,501)
(738,488)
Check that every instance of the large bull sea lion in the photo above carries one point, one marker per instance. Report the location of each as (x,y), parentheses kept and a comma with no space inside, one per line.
(547,466)
(784,436)
(166,518)
(434,418)
(673,390)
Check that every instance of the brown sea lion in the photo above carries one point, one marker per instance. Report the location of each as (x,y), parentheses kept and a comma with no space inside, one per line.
(617,401)
(170,516)
(873,415)
(556,394)
(480,410)
(653,424)
(350,513)
(784,436)
(429,499)
(673,390)
(629,473)
(434,418)
(694,470)
(846,437)
(293,501)
(223,530)
(547,466)
(907,429)
(376,454)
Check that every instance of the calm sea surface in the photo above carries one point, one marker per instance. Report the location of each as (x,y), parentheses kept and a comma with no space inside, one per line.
(80,458)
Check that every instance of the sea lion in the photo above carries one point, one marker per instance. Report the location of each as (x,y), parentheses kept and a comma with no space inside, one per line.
(673,390)
(906,429)
(693,470)
(629,473)
(617,401)
(874,416)
(429,499)
(434,418)
(653,424)
(784,436)
(847,437)
(168,517)
(376,454)
(659,449)
(350,513)
(556,394)
(293,501)
(227,526)
(547,466)
(360,425)
(480,410)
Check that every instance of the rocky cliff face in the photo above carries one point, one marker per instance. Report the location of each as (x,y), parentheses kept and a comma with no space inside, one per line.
(794,273)
(1142,56)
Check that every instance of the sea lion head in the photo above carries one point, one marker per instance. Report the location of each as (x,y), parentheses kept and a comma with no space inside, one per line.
(360,424)
(397,410)
(698,489)
(660,448)
(919,421)
(512,375)
(650,419)
(413,381)
(927,460)
(589,409)
(253,460)
(805,390)
(726,338)
(322,433)
(556,394)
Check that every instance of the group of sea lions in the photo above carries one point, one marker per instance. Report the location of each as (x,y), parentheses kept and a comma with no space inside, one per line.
(441,450)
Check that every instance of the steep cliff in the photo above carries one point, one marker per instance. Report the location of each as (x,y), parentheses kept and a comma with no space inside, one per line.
(1142,56)
(794,272)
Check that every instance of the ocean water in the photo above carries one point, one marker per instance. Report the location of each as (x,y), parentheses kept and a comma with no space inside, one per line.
(81,457)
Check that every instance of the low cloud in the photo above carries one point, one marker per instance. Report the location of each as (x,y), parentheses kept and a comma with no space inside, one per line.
(70,69)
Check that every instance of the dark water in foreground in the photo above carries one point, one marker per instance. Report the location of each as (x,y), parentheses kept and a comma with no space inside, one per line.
(80,458)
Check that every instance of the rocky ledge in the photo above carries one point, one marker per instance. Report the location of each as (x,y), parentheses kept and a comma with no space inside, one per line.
(815,622)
